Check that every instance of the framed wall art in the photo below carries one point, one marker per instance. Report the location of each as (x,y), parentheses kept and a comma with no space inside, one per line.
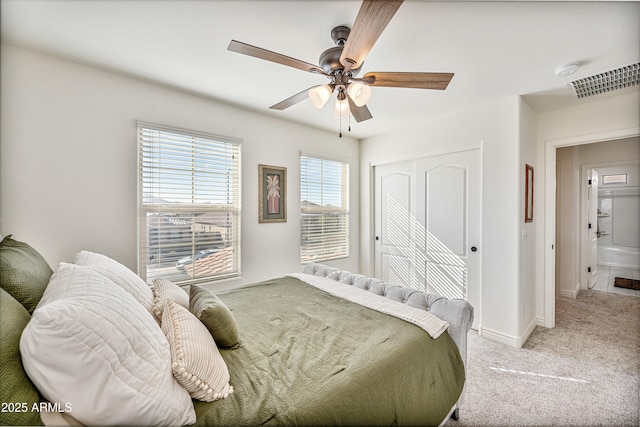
(528,194)
(272,194)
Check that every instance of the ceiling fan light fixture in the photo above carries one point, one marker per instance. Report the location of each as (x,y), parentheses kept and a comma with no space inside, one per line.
(360,93)
(319,95)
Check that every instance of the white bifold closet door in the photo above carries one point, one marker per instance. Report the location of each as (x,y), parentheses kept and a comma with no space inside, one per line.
(428,224)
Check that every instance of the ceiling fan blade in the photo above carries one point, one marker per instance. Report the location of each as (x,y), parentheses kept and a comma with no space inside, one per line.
(359,113)
(257,52)
(438,81)
(292,100)
(372,19)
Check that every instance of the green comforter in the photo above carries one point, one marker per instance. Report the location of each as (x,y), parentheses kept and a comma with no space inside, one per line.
(309,358)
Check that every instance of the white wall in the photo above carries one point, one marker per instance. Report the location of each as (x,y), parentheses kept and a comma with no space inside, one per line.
(593,120)
(528,266)
(568,221)
(68,157)
(496,125)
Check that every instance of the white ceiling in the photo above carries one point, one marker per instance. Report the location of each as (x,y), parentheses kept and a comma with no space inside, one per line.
(495,49)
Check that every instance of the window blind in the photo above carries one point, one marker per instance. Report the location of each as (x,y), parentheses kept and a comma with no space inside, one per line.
(618,178)
(188,205)
(324,209)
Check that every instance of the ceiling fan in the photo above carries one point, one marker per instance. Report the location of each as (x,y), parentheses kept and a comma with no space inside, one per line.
(341,64)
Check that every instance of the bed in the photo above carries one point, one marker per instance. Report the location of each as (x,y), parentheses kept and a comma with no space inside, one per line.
(320,347)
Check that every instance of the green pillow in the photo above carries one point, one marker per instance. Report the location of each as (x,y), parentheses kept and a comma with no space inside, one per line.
(24,273)
(17,388)
(216,316)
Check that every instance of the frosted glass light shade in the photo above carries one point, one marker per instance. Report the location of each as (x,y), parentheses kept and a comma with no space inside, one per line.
(360,93)
(319,95)
(341,109)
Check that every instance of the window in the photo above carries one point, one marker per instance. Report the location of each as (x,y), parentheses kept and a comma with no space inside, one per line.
(619,178)
(188,205)
(324,209)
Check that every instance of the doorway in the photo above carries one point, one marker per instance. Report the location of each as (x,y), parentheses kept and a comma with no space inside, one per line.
(550,242)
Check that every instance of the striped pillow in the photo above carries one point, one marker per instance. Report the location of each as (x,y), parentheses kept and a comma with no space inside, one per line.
(196,360)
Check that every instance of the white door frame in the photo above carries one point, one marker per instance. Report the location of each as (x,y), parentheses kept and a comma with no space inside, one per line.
(550,209)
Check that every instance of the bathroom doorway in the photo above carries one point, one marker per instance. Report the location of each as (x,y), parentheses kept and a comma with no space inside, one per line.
(597,210)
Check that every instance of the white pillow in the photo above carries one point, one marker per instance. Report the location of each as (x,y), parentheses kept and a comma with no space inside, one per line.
(90,345)
(120,274)
(196,361)
(165,290)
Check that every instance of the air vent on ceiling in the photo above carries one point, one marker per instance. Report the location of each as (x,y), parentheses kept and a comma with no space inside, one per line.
(619,78)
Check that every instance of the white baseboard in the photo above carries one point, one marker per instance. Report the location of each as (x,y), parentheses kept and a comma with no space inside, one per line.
(500,337)
(565,294)
(510,340)
(527,332)
(570,294)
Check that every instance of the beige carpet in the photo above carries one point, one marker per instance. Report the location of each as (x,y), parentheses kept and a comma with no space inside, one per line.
(583,372)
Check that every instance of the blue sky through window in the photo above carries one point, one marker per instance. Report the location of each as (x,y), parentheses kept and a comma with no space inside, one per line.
(321,181)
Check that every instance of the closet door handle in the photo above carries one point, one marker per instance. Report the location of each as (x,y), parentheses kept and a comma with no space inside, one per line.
(474,249)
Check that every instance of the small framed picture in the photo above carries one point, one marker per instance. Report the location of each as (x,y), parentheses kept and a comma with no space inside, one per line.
(528,194)
(272,193)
